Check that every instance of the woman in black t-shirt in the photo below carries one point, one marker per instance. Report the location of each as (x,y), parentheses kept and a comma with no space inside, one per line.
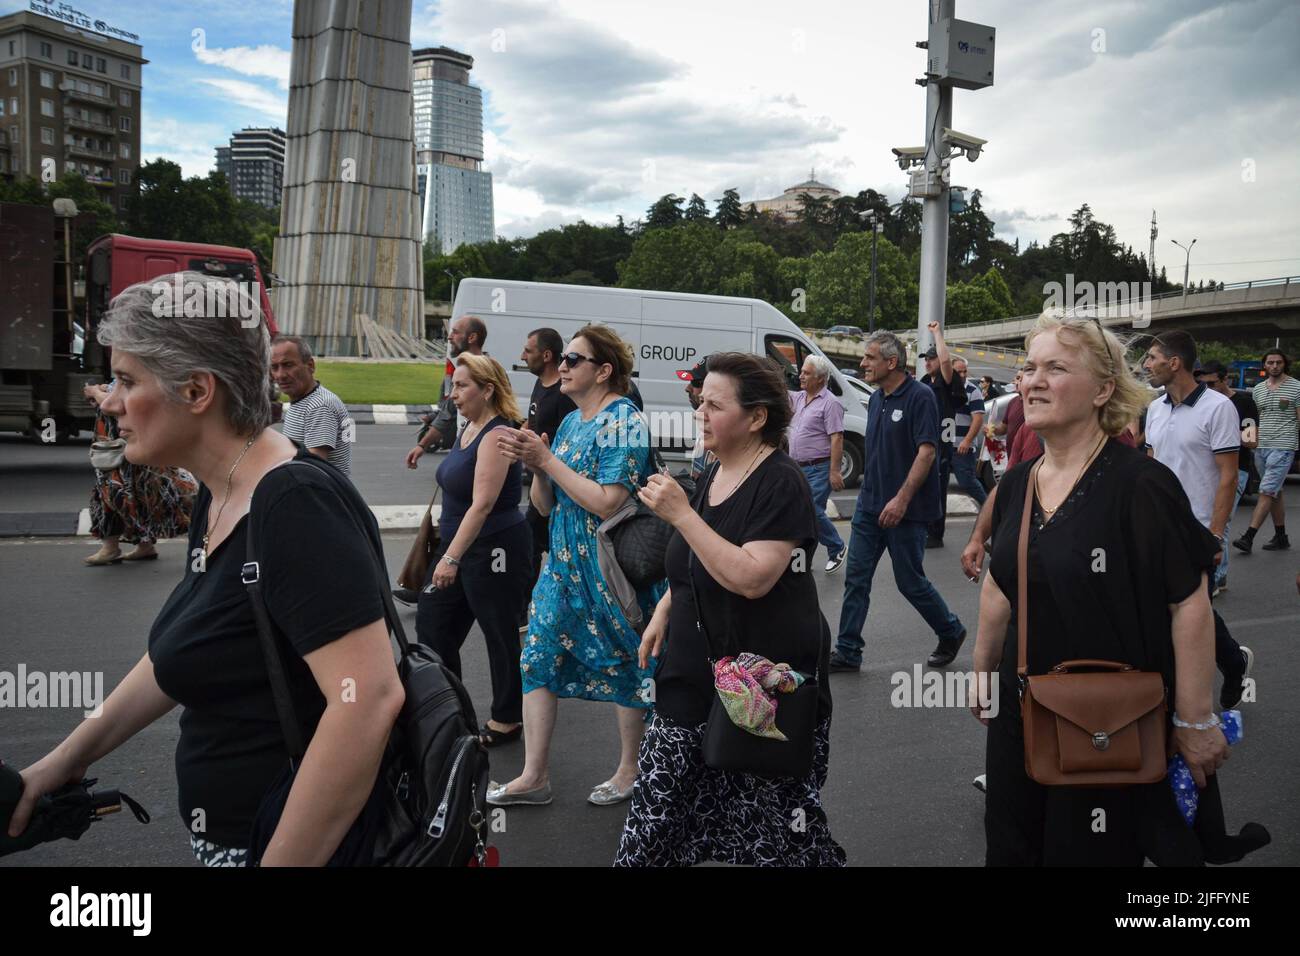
(750,530)
(192,392)
(1116,571)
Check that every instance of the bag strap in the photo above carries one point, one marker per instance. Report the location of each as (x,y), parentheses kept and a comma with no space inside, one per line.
(251,575)
(1022,575)
(690,569)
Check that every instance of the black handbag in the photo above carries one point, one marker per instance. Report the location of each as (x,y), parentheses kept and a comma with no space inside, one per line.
(728,747)
(428,804)
(641,537)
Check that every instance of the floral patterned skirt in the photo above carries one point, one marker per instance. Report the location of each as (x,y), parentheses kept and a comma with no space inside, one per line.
(136,503)
(684,812)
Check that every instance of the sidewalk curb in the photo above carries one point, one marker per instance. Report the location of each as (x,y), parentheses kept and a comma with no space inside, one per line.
(388,414)
(958,505)
(390,518)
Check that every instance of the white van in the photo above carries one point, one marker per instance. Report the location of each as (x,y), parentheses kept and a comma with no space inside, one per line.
(669,332)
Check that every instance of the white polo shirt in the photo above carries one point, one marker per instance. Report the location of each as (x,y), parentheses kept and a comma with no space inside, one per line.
(1187,436)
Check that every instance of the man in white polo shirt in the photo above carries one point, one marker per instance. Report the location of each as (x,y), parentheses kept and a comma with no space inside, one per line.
(1194,432)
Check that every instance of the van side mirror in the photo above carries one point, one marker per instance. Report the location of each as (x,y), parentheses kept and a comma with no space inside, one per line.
(99,267)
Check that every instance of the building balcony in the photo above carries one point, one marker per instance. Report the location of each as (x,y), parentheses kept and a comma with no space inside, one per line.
(77,122)
(86,152)
(103,183)
(72,93)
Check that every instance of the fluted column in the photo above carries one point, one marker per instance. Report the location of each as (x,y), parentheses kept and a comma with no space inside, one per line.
(349,239)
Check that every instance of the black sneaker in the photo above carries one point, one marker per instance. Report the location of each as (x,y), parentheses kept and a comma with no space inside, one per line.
(1280,542)
(407,596)
(1244,544)
(840,663)
(833,564)
(947,650)
(1234,684)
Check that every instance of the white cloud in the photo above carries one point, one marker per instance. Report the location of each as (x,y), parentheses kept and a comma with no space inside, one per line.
(251,96)
(266,60)
(191,145)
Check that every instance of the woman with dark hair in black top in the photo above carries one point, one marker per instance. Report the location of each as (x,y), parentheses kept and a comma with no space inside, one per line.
(485,565)
(751,528)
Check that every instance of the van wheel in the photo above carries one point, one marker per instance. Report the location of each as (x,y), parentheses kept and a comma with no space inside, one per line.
(851,464)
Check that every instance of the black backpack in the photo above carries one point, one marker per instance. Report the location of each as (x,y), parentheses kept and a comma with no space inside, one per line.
(428,807)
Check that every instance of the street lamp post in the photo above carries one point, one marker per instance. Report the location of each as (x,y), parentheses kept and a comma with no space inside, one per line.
(449,274)
(1187,261)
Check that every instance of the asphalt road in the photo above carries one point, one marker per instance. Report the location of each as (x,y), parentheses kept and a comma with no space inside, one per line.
(899,791)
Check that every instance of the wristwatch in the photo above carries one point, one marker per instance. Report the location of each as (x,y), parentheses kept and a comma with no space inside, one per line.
(454,562)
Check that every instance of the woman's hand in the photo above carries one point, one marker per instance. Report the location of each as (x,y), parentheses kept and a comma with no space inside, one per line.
(652,640)
(45,776)
(665,498)
(525,445)
(1203,750)
(444,575)
(414,455)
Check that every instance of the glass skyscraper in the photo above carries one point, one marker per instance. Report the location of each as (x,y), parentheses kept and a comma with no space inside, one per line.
(455,191)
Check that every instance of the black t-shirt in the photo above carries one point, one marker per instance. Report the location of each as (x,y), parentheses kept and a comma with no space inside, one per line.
(951,396)
(548,408)
(1103,572)
(318,579)
(1247,410)
(785,625)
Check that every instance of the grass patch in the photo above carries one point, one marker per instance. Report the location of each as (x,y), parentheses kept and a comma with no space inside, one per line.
(387,383)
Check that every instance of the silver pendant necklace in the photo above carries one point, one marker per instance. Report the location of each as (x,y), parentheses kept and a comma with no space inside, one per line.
(229,478)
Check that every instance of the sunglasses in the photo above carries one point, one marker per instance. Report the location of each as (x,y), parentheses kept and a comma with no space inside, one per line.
(574,359)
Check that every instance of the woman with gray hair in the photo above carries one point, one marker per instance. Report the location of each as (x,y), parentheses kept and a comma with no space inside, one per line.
(191,359)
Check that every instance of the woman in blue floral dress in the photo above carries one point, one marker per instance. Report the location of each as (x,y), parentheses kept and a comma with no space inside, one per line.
(579,642)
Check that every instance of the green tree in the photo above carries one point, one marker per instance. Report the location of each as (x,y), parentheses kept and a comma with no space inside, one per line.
(673,260)
(968,303)
(729,212)
(996,286)
(666,211)
(749,269)
(696,210)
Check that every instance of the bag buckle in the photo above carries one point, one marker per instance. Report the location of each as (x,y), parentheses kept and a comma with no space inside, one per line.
(250,573)
(1101,740)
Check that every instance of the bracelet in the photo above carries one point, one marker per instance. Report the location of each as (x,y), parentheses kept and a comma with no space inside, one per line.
(454,562)
(1208,725)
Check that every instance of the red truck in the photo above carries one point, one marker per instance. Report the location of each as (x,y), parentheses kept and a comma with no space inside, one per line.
(50,308)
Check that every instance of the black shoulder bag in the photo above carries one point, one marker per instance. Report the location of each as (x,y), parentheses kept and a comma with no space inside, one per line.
(728,747)
(640,536)
(429,802)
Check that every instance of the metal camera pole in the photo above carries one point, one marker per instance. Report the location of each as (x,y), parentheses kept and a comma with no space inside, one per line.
(934,211)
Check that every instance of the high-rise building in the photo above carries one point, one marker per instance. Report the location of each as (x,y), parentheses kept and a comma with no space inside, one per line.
(253,164)
(70,101)
(455,191)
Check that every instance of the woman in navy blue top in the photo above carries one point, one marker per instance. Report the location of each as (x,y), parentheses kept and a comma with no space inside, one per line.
(483,570)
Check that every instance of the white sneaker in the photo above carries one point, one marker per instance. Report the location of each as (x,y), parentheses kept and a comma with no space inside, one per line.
(833,564)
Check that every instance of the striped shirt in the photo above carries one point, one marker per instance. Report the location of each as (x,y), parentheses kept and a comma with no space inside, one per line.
(1278,427)
(320,420)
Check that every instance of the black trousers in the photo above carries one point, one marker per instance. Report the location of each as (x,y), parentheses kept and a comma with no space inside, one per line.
(945,470)
(490,584)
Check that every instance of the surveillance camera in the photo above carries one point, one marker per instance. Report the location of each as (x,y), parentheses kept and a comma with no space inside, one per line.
(909,152)
(971,145)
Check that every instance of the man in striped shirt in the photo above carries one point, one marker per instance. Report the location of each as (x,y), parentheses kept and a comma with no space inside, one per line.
(316,417)
(1278,400)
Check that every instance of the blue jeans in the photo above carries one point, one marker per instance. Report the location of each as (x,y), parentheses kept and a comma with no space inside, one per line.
(819,480)
(906,544)
(1221,572)
(964,470)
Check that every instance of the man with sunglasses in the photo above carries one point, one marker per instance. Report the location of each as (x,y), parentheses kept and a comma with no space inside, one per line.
(1214,376)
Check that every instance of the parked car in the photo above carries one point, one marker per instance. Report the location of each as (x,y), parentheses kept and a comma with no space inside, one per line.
(847,330)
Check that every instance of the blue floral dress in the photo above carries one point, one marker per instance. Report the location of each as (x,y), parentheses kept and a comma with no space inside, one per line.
(579,642)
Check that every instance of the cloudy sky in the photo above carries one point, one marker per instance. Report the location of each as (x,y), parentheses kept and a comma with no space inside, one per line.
(595,107)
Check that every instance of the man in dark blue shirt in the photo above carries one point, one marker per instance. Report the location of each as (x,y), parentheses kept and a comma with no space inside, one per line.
(898,499)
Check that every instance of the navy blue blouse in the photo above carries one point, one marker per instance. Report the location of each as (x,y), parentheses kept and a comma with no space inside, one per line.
(456,479)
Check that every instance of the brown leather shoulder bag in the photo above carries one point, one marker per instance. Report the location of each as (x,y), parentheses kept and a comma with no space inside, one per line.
(1087,723)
